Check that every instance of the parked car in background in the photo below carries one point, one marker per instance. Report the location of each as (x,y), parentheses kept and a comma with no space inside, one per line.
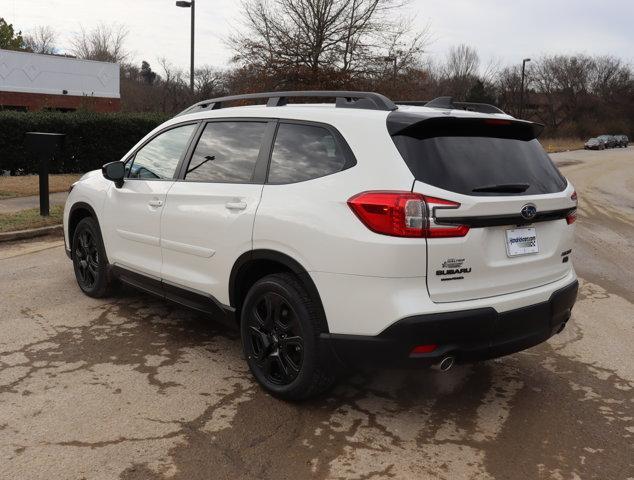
(622,140)
(594,144)
(608,140)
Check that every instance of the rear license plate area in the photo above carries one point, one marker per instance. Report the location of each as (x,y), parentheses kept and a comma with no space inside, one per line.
(521,241)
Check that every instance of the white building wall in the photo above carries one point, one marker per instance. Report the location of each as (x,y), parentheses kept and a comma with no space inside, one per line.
(50,74)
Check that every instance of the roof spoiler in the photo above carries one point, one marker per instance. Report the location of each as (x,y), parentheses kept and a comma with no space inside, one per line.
(448,103)
(443,126)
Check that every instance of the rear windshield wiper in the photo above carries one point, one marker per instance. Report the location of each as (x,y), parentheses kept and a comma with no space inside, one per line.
(503,188)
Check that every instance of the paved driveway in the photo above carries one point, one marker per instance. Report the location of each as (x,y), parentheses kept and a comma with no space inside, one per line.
(135,388)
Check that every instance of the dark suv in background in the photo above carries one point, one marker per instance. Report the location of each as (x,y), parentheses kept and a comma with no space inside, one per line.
(622,140)
(609,141)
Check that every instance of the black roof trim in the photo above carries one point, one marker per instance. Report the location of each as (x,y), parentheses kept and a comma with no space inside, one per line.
(344,99)
(448,103)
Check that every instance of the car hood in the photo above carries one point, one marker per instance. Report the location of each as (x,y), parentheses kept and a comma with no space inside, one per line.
(91,174)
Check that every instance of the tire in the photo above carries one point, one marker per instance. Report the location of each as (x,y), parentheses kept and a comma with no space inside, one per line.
(280,326)
(89,259)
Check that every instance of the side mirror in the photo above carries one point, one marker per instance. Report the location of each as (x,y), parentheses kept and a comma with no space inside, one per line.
(115,172)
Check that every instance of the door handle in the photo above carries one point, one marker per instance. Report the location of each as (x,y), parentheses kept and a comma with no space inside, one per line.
(155,203)
(236,205)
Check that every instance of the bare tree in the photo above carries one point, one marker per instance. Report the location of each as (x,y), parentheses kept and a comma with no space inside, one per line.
(563,82)
(209,82)
(610,78)
(104,42)
(344,36)
(174,89)
(463,61)
(509,84)
(42,40)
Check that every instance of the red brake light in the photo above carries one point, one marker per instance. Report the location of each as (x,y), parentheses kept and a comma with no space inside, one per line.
(403,214)
(571,217)
(399,214)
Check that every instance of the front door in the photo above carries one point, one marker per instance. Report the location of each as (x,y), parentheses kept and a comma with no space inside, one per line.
(132,216)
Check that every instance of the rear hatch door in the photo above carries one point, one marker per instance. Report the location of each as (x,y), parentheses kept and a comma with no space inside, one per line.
(494,178)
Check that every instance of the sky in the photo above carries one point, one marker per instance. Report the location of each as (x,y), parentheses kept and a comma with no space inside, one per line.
(503,31)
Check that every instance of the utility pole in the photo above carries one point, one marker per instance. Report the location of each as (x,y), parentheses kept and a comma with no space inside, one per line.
(192,5)
(522,87)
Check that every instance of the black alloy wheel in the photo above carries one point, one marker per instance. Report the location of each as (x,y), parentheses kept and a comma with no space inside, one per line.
(280,326)
(86,256)
(275,338)
(89,259)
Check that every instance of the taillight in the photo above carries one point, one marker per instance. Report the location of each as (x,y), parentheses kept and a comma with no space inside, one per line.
(435,230)
(572,215)
(404,214)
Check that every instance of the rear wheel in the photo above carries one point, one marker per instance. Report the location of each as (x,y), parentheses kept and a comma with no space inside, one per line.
(280,328)
(89,259)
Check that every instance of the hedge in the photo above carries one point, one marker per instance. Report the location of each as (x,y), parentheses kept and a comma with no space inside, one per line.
(92,139)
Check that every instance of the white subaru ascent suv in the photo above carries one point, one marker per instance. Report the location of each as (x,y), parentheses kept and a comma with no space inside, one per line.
(348,233)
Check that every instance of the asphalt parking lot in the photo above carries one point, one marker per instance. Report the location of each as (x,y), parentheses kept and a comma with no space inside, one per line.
(135,388)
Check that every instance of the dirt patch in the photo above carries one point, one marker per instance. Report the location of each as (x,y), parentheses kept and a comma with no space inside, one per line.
(552,145)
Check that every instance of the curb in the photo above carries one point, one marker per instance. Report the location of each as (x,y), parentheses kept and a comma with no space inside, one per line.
(32,233)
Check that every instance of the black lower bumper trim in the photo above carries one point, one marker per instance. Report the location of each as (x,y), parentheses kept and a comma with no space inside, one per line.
(468,335)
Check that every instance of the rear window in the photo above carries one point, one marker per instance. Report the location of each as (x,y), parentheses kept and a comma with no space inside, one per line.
(303,152)
(476,165)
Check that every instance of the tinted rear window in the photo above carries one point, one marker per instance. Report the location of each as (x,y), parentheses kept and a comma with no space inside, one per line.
(464,163)
(304,152)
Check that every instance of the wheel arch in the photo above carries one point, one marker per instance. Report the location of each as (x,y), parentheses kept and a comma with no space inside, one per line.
(77,213)
(256,264)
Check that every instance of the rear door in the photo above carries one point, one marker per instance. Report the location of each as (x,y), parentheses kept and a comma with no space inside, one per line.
(501,207)
(209,213)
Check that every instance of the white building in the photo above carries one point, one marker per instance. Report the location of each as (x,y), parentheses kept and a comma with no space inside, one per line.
(31,81)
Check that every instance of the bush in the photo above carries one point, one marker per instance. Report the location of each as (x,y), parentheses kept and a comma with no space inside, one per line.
(92,139)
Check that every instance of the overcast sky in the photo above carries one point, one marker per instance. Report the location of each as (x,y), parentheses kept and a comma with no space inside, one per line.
(504,30)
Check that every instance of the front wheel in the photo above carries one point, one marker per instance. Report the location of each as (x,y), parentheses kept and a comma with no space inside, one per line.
(89,259)
(280,326)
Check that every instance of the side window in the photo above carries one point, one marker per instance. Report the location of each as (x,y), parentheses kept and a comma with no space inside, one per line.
(226,152)
(303,152)
(159,157)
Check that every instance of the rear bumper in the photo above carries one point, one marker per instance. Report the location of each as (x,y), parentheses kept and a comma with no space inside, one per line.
(468,335)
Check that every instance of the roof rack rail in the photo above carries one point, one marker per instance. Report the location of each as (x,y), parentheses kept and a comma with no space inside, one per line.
(413,103)
(344,99)
(448,103)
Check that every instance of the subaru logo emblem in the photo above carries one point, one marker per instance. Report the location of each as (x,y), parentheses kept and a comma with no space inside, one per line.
(528,211)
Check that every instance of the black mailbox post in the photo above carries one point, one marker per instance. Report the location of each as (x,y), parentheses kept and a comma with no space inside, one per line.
(44,146)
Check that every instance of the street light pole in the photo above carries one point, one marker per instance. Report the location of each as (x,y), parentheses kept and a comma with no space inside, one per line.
(192,5)
(522,87)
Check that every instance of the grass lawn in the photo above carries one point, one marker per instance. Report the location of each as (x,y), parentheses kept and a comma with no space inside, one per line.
(26,185)
(10,222)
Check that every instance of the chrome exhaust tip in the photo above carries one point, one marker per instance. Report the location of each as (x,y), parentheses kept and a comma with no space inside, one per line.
(445,364)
